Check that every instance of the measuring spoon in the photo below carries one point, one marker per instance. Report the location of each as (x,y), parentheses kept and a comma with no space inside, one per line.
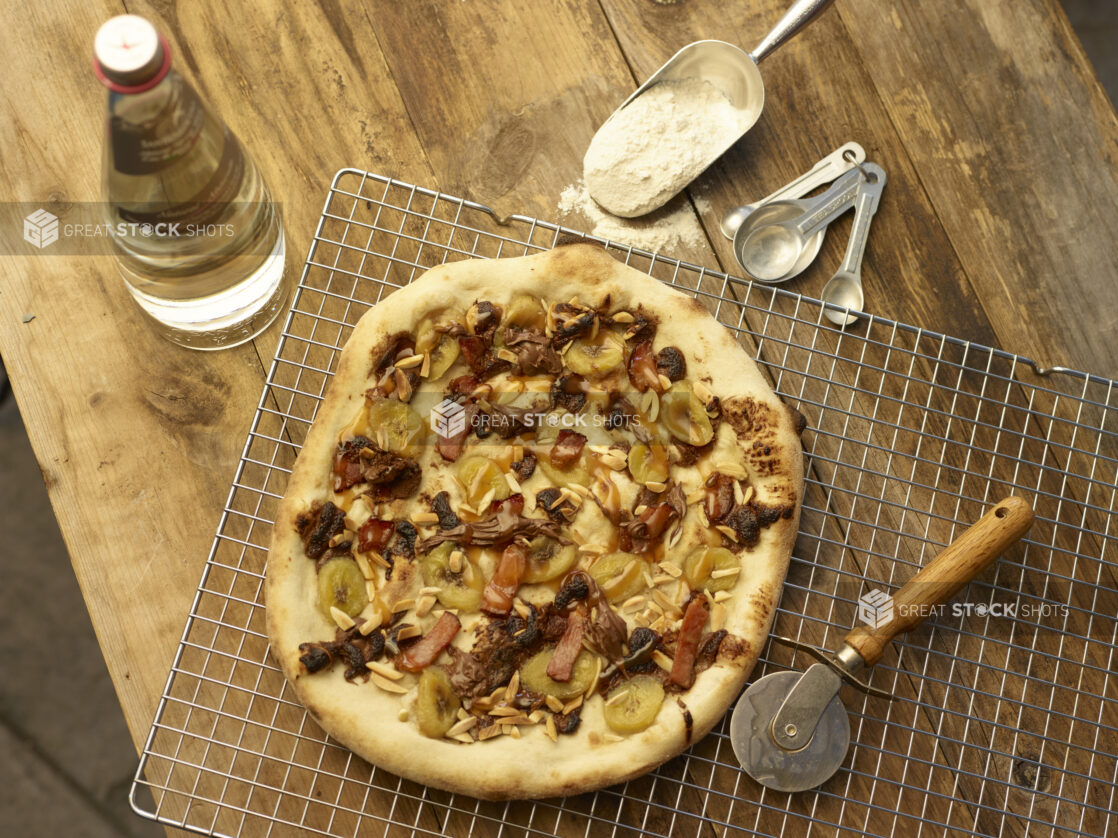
(771,249)
(838,162)
(732,71)
(844,289)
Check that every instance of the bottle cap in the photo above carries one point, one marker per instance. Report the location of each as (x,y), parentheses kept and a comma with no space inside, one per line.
(129,55)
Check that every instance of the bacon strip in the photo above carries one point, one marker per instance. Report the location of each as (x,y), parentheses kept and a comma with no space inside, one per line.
(497,596)
(562,663)
(567,449)
(690,632)
(423,652)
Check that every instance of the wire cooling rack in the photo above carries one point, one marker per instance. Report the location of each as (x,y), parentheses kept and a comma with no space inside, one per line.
(1005,717)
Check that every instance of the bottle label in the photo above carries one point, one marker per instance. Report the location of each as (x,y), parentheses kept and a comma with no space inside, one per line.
(144,148)
(208,204)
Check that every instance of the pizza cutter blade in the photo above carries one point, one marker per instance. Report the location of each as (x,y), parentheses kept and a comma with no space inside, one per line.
(789,730)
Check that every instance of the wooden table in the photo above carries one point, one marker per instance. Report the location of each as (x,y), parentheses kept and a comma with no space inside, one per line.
(999,223)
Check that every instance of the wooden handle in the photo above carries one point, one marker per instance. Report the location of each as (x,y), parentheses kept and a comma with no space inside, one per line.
(939,580)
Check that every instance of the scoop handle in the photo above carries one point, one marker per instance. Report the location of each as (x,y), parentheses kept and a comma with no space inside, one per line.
(943,577)
(795,19)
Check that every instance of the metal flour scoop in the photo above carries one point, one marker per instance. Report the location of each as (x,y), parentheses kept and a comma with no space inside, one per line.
(730,70)
(790,730)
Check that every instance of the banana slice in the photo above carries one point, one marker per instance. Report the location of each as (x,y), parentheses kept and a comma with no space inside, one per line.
(548,559)
(460,589)
(632,705)
(341,585)
(619,575)
(525,311)
(479,476)
(533,675)
(685,416)
(436,703)
(396,425)
(648,464)
(701,563)
(595,358)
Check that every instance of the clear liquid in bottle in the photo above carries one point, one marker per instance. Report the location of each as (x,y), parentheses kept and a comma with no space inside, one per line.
(198,240)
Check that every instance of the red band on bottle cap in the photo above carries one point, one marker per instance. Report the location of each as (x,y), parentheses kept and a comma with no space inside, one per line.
(117,87)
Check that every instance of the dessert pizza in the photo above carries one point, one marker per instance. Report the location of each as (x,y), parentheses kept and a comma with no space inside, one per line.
(536,535)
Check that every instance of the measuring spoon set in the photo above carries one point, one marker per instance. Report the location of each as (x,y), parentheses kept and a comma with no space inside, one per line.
(776,238)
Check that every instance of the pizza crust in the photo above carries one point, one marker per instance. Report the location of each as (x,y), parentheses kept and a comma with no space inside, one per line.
(367,719)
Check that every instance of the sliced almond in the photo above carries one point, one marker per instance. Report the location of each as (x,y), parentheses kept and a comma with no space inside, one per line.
(461,726)
(338,538)
(663,661)
(363,563)
(504,711)
(425,369)
(386,685)
(633,602)
(578,489)
(676,535)
(702,391)
(514,484)
(344,621)
(522,609)
(403,605)
(640,510)
(377,558)
(662,578)
(656,486)
(507,355)
(665,382)
(722,574)
(617,698)
(514,732)
(731,470)
(371,624)
(490,732)
(404,389)
(553,704)
(424,604)
(370,589)
(653,406)
(409,362)
(671,569)
(408,632)
(433,590)
(739,495)
(455,561)
(536,716)
(576,702)
(729,533)
(549,726)
(622,317)
(425,518)
(722,596)
(464,738)
(717,617)
(748,496)
(463,713)
(593,549)
(486,499)
(384,670)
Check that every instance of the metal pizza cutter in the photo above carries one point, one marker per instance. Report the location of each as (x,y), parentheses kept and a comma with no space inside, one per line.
(790,730)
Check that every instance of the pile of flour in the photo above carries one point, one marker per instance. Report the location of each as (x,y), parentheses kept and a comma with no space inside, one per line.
(650,149)
(664,230)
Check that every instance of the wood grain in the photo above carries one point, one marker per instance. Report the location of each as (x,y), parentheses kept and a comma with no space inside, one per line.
(998,225)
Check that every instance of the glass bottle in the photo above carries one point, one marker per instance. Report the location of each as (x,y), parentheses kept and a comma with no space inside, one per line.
(197,237)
